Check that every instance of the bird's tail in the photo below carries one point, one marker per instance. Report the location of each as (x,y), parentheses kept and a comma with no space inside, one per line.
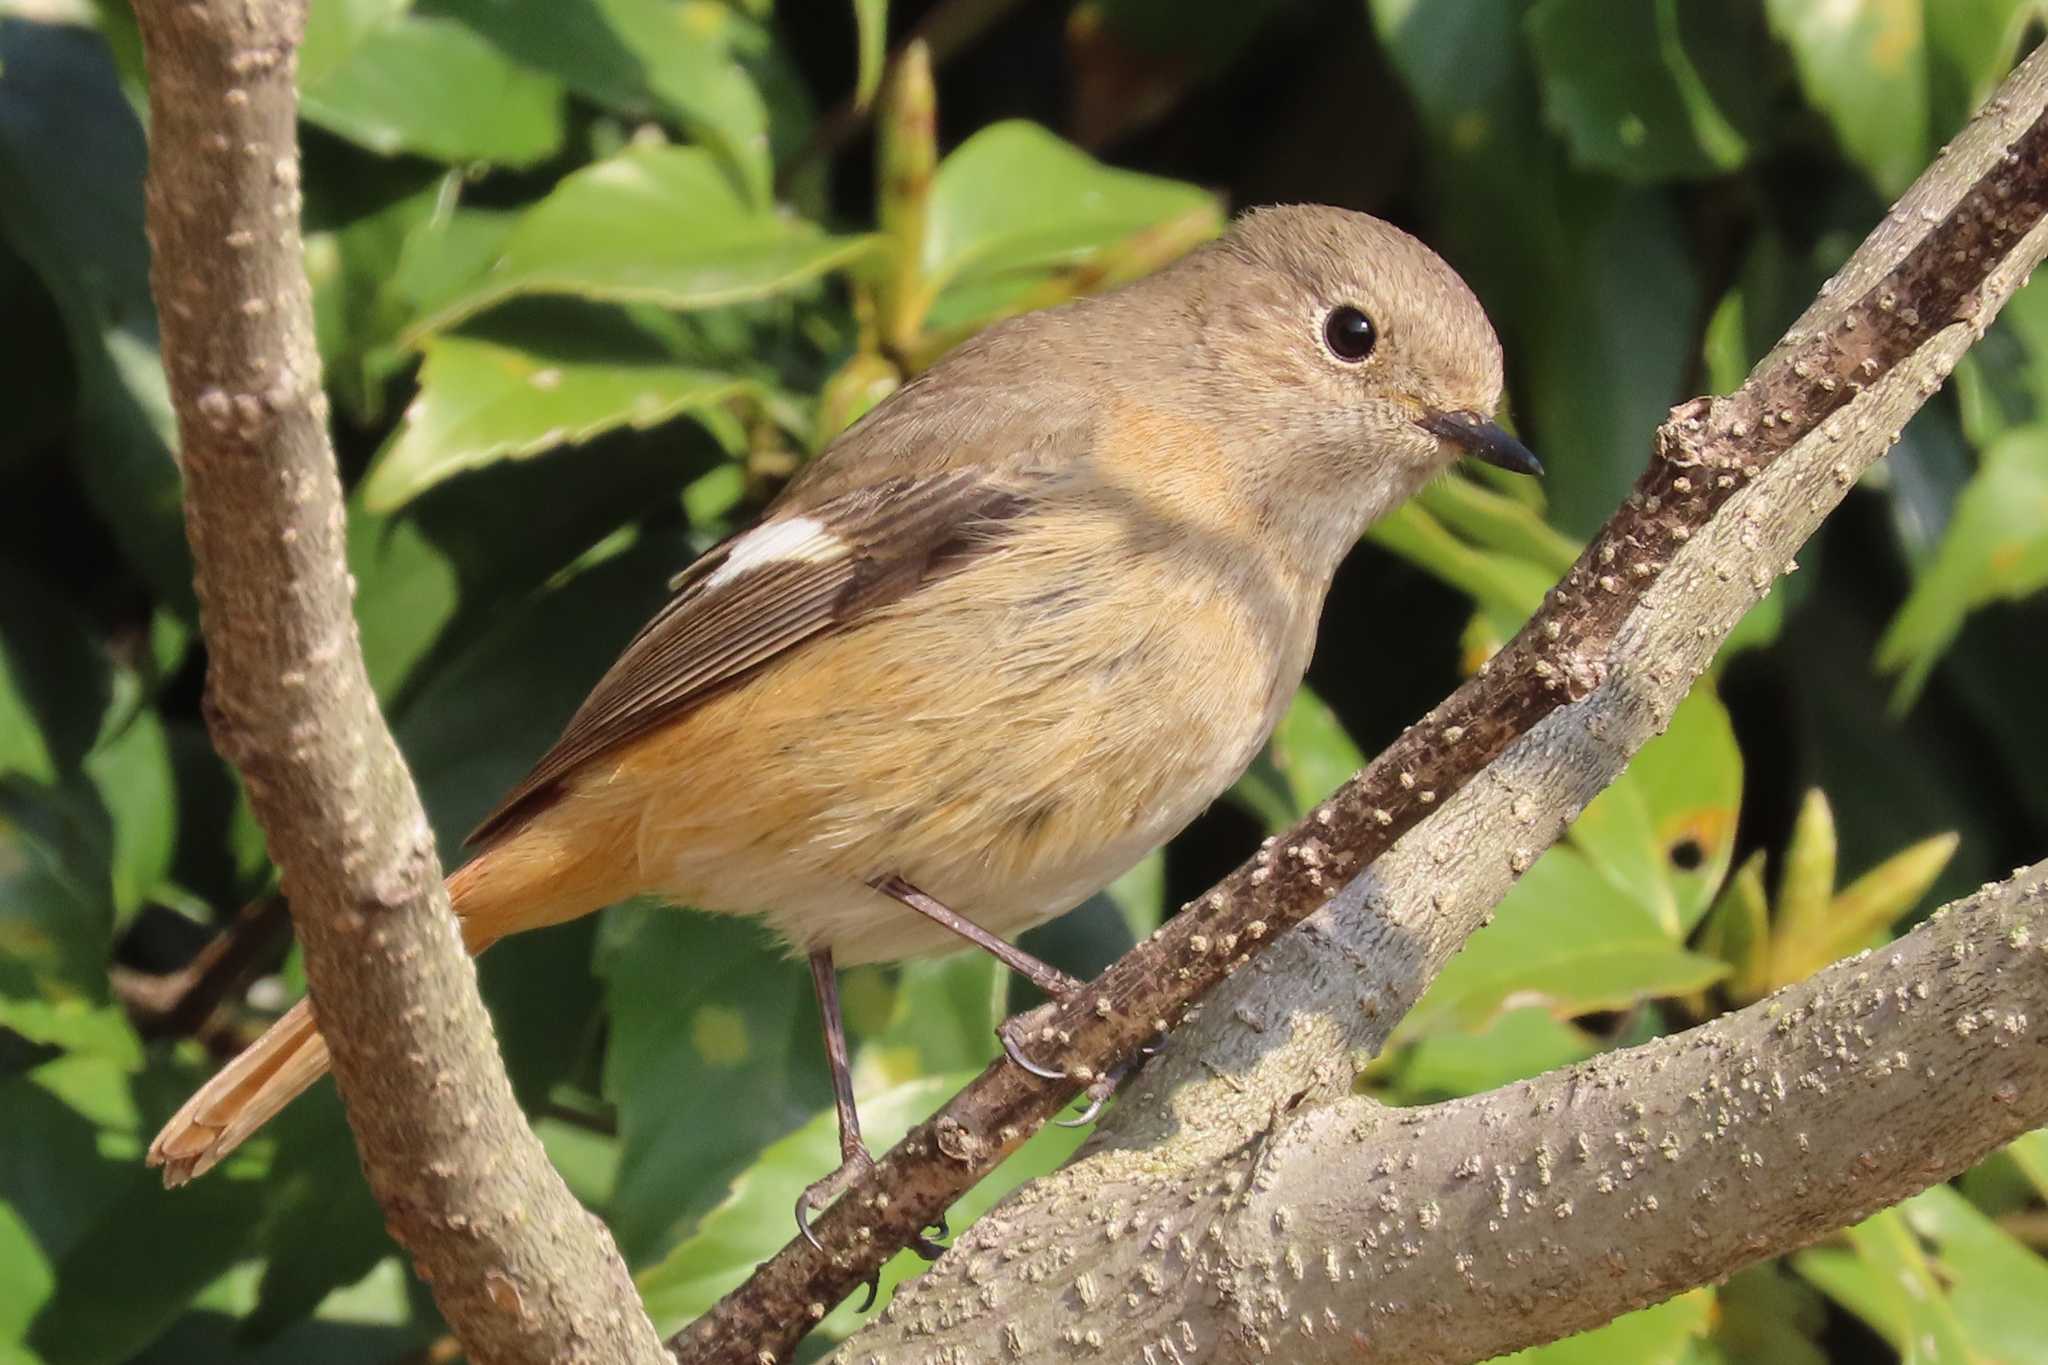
(513,885)
(266,1076)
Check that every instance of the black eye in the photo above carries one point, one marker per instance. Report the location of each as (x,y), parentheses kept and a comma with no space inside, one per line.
(1350,333)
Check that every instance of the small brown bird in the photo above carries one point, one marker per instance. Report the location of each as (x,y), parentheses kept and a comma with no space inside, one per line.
(1013,630)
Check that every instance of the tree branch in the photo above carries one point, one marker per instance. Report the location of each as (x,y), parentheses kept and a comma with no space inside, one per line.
(520,1270)
(1734,486)
(1460,1231)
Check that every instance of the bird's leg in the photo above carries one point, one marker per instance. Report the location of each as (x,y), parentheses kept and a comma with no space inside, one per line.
(854,1158)
(1045,976)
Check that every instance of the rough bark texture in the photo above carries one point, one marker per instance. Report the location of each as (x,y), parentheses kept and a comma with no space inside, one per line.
(1735,485)
(520,1270)
(1458,1231)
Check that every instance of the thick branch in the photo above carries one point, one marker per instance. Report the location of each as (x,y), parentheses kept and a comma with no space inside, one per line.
(1460,1231)
(1734,486)
(521,1271)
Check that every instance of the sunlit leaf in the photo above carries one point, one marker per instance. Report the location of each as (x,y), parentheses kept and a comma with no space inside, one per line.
(683,58)
(1863,63)
(654,224)
(1014,202)
(486,398)
(1567,940)
(1651,1336)
(432,87)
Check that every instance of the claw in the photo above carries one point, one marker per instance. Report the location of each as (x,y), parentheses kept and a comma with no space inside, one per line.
(819,1194)
(1023,1063)
(874,1283)
(1086,1116)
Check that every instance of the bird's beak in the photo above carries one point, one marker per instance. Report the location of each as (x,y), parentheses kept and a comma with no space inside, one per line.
(1479,437)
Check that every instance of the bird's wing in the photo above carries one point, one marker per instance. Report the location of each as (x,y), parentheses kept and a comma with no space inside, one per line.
(760,594)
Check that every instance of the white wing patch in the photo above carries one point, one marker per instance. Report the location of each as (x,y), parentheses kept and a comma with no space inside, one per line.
(799,540)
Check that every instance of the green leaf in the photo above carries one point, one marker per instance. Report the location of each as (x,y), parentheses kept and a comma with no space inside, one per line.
(1605,354)
(56,914)
(54,682)
(1970,45)
(1888,1280)
(131,771)
(641,57)
(1312,752)
(1506,587)
(942,1016)
(1995,547)
(26,1273)
(488,398)
(1308,757)
(1765,1314)
(715,1051)
(1618,83)
(1997,1286)
(753,1222)
(1014,202)
(2030,1151)
(653,224)
(1651,1336)
(1567,940)
(1738,932)
(1806,884)
(1520,1043)
(871,22)
(1663,832)
(71,165)
(1863,64)
(431,87)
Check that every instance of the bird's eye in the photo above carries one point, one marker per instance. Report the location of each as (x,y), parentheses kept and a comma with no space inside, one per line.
(1350,334)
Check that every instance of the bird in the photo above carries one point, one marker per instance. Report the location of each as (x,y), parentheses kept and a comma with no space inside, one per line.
(1009,632)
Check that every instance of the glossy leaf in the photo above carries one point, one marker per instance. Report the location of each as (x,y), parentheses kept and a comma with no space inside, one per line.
(715,1051)
(1863,63)
(1519,1044)
(1013,202)
(1995,548)
(71,162)
(1663,832)
(432,87)
(484,399)
(1565,939)
(1651,1336)
(1737,930)
(1620,85)
(654,224)
(640,57)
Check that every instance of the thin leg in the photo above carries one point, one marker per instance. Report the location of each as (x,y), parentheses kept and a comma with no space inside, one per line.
(1043,975)
(854,1158)
(825,984)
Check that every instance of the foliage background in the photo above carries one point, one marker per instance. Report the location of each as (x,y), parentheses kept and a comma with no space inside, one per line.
(590,283)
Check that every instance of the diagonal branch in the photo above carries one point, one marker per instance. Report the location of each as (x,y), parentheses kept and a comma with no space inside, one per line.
(1880,339)
(519,1269)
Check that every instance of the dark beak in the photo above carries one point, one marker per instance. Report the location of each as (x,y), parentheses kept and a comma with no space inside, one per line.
(1481,439)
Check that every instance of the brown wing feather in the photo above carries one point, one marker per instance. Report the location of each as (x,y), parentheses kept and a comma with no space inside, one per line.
(889,538)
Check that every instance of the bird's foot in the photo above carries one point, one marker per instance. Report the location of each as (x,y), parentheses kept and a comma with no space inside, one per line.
(819,1194)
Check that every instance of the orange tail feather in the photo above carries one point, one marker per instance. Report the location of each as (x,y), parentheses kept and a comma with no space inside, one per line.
(494,894)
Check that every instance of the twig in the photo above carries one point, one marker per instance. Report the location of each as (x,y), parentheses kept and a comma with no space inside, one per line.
(518,1268)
